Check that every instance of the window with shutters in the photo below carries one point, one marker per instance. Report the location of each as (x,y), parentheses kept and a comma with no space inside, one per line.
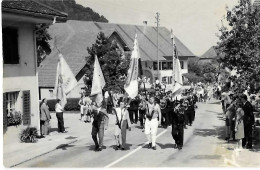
(11,102)
(26,108)
(10,45)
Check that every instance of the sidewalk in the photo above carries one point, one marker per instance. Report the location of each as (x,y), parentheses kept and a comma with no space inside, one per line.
(232,156)
(15,152)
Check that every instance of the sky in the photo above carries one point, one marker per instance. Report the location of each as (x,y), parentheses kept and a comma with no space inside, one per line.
(194,22)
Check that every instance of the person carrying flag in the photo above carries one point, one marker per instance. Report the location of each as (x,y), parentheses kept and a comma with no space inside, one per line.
(100,124)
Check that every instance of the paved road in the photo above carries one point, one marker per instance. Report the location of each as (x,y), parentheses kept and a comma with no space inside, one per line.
(203,147)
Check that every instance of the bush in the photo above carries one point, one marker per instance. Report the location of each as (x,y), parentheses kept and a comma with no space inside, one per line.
(28,135)
(72,104)
(192,77)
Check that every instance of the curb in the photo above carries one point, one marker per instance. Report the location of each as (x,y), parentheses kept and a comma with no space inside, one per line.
(58,147)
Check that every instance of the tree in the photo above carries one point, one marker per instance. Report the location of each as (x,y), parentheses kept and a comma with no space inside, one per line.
(113,62)
(200,71)
(239,46)
(42,44)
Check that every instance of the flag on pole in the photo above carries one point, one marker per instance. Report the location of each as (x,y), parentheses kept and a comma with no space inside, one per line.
(176,74)
(98,82)
(65,80)
(131,84)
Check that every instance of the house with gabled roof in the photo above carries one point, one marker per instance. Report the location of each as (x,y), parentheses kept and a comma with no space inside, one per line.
(20,73)
(209,55)
(73,38)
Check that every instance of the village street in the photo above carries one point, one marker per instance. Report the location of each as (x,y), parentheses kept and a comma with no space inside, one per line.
(204,146)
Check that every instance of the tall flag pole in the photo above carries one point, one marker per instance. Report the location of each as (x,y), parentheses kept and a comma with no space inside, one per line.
(98,82)
(176,74)
(65,80)
(131,84)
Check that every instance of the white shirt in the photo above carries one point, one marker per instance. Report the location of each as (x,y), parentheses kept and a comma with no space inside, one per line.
(58,108)
(106,94)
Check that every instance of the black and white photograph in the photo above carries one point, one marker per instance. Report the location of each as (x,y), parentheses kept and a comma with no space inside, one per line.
(130,83)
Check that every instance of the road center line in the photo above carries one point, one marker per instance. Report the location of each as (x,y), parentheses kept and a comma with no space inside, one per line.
(130,153)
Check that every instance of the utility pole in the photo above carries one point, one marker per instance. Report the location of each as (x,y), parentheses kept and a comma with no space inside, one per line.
(157,22)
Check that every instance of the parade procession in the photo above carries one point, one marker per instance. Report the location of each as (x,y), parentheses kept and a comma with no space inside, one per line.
(155,109)
(131,84)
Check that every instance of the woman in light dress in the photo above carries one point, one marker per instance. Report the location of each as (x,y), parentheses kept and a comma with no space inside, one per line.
(122,123)
(239,125)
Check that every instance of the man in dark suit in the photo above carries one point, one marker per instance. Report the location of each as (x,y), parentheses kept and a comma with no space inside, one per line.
(100,123)
(248,122)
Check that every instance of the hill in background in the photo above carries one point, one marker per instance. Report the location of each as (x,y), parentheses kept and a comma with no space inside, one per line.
(74,10)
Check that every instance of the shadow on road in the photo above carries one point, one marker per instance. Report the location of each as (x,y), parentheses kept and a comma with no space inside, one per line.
(53,130)
(64,146)
(56,129)
(165,146)
(218,131)
(92,147)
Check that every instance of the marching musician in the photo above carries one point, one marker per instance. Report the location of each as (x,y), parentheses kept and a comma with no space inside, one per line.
(164,103)
(178,123)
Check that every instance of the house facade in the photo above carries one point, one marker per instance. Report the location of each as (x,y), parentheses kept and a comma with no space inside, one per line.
(20,73)
(73,38)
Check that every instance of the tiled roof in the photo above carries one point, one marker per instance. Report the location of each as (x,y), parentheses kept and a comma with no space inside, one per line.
(256,3)
(73,38)
(211,53)
(30,6)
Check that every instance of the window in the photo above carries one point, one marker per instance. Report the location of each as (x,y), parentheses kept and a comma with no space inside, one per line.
(146,65)
(154,65)
(164,66)
(182,64)
(170,65)
(10,45)
(11,101)
(51,93)
(164,79)
(170,80)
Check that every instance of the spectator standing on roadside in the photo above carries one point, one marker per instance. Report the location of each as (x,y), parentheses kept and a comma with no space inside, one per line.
(81,104)
(45,118)
(59,115)
(239,126)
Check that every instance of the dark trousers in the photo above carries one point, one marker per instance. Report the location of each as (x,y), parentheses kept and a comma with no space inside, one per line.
(247,140)
(166,119)
(178,134)
(59,116)
(109,108)
(100,132)
(186,117)
(133,115)
(141,117)
(123,133)
(190,115)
